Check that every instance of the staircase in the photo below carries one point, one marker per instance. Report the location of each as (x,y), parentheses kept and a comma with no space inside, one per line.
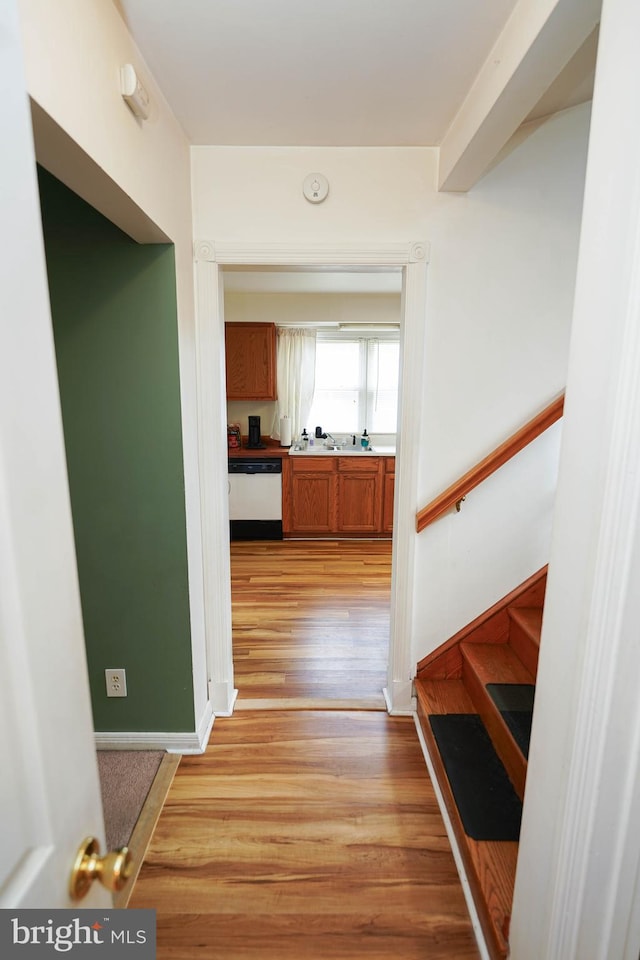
(475,699)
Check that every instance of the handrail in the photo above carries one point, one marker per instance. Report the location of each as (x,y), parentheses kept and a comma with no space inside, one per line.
(454,494)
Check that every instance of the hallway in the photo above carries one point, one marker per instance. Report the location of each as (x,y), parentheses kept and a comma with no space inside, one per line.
(306,833)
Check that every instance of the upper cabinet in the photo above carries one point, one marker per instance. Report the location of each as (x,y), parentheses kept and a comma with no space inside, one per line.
(250,350)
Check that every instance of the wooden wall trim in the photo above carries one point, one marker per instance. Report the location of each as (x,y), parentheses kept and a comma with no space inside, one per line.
(517,442)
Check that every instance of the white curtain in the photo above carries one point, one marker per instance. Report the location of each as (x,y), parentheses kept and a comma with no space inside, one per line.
(296,378)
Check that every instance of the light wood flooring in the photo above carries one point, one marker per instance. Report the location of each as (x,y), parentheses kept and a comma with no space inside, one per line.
(305,835)
(311,621)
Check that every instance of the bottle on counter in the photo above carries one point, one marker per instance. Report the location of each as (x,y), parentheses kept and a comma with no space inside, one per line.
(304,439)
(364,439)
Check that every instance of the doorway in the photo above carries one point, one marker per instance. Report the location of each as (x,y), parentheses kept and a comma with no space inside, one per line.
(311,616)
(211,259)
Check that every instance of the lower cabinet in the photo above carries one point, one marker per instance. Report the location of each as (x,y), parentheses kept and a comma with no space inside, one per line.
(313,497)
(359,494)
(337,495)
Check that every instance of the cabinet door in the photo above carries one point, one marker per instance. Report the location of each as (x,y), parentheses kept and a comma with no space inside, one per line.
(313,503)
(359,496)
(250,351)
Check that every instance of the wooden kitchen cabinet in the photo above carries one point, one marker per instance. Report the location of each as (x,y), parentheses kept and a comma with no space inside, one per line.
(250,351)
(342,496)
(310,506)
(359,505)
(389,481)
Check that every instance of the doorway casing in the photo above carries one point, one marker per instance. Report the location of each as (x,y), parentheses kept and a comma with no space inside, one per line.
(210,259)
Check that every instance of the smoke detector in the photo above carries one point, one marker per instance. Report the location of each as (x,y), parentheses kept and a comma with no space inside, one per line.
(315,187)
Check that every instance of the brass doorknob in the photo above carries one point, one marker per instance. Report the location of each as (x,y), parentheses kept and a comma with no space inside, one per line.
(112,870)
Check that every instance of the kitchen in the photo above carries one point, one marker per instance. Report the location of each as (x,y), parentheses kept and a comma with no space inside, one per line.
(311,426)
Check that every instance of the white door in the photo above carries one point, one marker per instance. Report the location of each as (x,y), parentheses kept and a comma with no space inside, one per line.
(49,798)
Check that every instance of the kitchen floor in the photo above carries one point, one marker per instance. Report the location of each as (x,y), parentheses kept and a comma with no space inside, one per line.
(311,622)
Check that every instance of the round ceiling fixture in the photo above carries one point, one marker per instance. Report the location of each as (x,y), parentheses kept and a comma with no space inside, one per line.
(315,187)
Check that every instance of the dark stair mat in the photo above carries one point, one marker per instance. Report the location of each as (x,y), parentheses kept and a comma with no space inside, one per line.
(488,805)
(515,703)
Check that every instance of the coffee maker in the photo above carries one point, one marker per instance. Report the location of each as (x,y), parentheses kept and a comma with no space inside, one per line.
(254,440)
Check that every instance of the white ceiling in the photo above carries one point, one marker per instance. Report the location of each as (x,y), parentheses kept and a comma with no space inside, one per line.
(335,73)
(296,72)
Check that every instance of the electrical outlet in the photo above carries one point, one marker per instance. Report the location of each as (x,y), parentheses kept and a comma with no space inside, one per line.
(116,683)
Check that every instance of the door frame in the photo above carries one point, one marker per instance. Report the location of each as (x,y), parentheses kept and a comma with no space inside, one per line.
(210,258)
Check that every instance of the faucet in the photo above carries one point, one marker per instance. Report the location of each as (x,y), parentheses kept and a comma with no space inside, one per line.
(332,444)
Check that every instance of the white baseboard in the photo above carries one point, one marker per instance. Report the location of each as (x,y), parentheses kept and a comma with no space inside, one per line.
(408,708)
(204,728)
(181,742)
(229,705)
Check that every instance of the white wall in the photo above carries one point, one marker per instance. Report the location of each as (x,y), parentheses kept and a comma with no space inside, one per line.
(312,308)
(500,288)
(73,52)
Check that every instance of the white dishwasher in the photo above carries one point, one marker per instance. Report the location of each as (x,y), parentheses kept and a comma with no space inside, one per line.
(255,498)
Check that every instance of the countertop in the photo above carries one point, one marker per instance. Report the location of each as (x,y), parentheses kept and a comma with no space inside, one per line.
(348,451)
(272,448)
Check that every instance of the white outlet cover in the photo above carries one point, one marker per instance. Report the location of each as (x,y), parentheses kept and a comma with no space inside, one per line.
(315,187)
(116,682)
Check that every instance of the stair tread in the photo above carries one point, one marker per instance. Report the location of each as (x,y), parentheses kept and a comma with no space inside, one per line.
(488,805)
(495,663)
(529,619)
(490,864)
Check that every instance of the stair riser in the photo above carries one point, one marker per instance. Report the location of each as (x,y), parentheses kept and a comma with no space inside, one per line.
(525,647)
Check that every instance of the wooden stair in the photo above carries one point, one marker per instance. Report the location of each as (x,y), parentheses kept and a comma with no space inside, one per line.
(499,647)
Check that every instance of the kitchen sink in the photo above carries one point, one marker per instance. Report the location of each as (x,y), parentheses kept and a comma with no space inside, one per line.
(319,450)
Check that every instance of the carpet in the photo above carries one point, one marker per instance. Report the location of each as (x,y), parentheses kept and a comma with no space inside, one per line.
(126,777)
(515,703)
(489,807)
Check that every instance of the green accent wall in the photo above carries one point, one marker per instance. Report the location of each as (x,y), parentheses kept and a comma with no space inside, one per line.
(113,304)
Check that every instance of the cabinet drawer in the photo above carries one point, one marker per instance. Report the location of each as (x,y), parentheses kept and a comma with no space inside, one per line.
(363,463)
(311,464)
(389,464)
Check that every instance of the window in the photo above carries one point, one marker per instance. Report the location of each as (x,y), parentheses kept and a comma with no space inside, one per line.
(356,384)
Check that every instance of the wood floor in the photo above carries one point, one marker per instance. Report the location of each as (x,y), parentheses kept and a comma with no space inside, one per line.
(311,621)
(306,834)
